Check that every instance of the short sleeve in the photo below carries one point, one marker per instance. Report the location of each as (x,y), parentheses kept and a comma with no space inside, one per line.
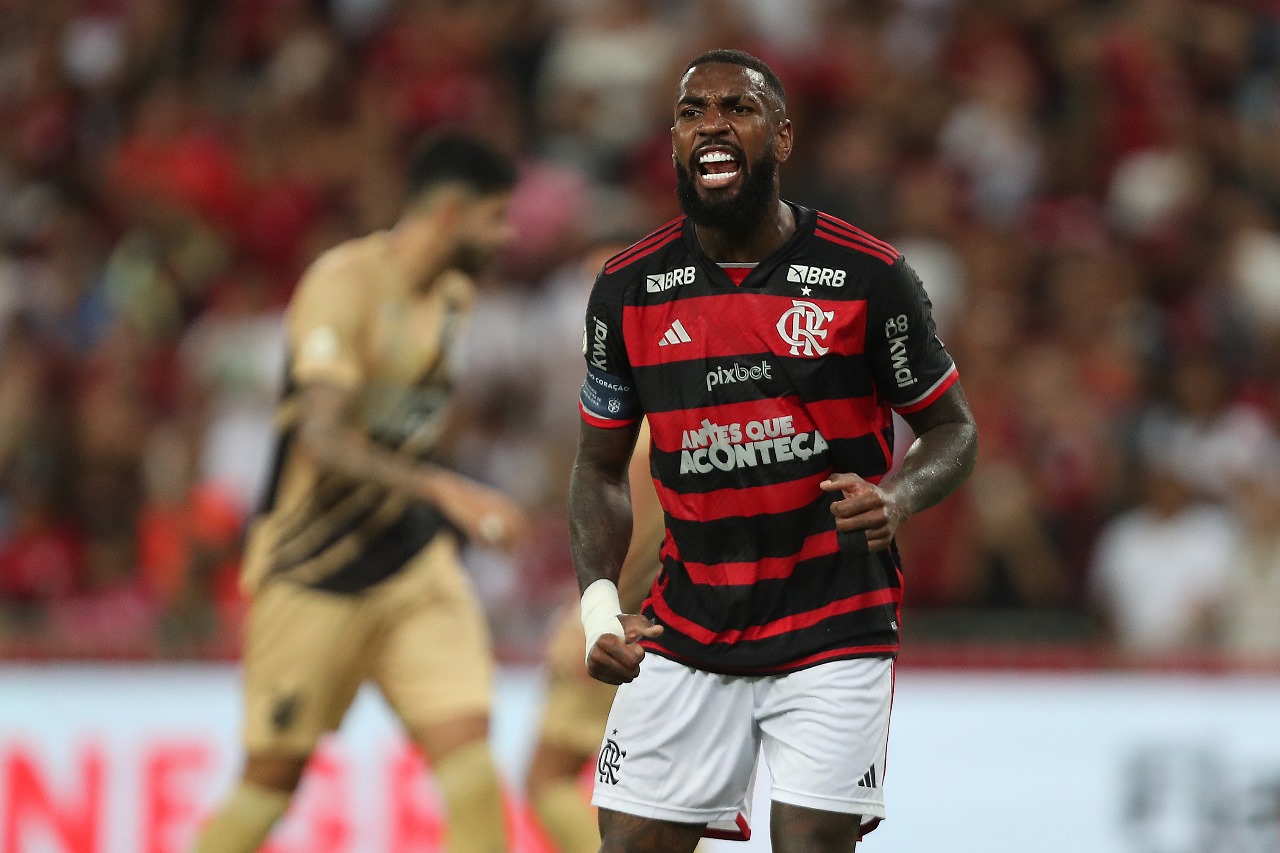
(608,397)
(910,365)
(323,323)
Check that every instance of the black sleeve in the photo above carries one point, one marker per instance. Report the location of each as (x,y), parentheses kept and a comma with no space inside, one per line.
(910,366)
(608,397)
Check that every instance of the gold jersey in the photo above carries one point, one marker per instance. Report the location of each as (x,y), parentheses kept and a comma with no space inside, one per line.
(356,322)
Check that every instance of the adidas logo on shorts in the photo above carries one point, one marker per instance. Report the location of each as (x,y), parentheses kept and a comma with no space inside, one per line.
(868,778)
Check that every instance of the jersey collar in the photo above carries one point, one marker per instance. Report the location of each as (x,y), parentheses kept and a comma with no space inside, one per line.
(758,277)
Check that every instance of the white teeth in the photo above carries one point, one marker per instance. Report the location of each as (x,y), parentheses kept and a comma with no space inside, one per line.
(716,157)
(719,178)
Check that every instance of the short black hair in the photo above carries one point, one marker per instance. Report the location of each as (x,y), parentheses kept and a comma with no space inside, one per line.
(459,158)
(740,57)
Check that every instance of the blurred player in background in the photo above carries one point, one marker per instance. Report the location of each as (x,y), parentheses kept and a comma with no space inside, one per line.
(767,345)
(577,705)
(353,563)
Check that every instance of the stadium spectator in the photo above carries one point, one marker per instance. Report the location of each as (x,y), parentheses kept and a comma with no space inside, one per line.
(1091,190)
(1162,570)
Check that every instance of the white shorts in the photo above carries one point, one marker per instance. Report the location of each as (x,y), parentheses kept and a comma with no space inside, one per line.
(681,743)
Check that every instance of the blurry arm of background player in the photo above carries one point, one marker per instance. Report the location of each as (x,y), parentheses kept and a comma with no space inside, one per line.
(648,527)
(941,457)
(600,534)
(324,431)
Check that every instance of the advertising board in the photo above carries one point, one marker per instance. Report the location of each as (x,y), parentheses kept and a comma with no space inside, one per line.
(125,759)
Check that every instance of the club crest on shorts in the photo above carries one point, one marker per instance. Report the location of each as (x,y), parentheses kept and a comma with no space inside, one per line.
(610,760)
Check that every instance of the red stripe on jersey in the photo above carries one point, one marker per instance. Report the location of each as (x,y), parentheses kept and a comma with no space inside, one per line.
(642,248)
(652,236)
(668,548)
(839,225)
(649,251)
(835,654)
(932,394)
(850,242)
(728,325)
(785,625)
(603,423)
(748,501)
(667,428)
(769,568)
(853,417)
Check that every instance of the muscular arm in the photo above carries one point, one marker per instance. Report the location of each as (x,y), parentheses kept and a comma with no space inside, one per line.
(942,456)
(600,503)
(326,435)
(599,534)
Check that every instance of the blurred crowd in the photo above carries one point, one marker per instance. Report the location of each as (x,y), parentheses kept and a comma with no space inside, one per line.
(1089,189)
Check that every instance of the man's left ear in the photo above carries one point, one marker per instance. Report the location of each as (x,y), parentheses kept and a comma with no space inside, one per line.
(782,151)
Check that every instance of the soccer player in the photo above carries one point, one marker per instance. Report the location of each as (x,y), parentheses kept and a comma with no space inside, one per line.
(353,563)
(577,706)
(767,345)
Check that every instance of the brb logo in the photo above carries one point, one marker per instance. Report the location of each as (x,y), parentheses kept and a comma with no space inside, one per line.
(816,275)
(738,373)
(801,327)
(668,280)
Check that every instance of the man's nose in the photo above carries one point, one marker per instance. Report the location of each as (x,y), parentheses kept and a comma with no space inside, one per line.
(714,122)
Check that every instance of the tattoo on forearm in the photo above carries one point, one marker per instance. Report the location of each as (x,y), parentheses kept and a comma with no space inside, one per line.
(936,464)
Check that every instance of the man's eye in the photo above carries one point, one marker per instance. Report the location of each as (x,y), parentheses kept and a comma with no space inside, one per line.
(741,110)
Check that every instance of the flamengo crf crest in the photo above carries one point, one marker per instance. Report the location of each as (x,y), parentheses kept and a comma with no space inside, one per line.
(801,326)
(609,761)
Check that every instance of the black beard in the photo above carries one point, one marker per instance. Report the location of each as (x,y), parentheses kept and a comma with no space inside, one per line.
(737,214)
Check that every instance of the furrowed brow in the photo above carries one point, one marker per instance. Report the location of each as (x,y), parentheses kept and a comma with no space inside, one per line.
(728,101)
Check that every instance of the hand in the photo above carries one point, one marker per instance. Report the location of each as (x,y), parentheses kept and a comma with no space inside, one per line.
(485,515)
(616,662)
(864,507)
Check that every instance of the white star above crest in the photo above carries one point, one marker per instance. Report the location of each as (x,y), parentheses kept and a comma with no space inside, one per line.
(805,291)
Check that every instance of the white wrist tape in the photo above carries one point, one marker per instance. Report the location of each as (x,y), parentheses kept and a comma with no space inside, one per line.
(600,611)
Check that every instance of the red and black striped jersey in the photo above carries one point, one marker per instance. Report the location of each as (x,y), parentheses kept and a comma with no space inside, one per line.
(755,393)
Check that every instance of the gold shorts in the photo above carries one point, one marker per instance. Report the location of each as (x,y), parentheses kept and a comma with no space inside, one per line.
(420,636)
(577,706)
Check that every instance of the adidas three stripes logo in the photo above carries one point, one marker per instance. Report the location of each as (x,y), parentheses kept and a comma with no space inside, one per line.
(675,335)
(868,778)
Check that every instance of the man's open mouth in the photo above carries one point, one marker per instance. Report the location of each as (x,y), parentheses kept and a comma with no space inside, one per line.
(718,168)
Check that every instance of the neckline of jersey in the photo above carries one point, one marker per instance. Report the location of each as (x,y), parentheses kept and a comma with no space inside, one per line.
(806,221)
